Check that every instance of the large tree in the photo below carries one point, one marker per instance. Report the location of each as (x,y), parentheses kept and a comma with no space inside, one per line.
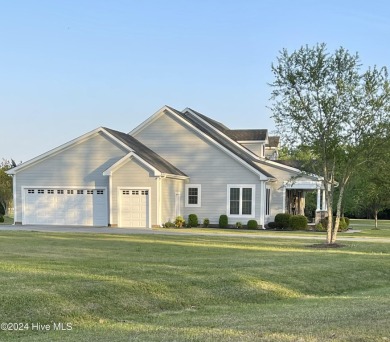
(325,102)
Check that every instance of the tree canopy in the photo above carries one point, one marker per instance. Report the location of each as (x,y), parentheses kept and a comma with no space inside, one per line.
(326,103)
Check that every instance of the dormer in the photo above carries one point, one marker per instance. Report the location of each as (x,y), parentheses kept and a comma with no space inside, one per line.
(254,140)
(272,148)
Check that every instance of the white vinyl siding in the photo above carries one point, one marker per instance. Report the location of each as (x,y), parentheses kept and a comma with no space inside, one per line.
(133,175)
(79,166)
(169,189)
(202,161)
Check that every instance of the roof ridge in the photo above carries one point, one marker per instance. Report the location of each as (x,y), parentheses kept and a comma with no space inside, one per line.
(146,153)
(224,140)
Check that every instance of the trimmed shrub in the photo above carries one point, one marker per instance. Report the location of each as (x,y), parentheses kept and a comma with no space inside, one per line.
(282,220)
(1,218)
(206,222)
(343,225)
(238,225)
(271,225)
(252,224)
(223,221)
(192,220)
(319,227)
(169,224)
(298,222)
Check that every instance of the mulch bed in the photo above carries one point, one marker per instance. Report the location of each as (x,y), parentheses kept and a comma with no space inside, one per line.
(326,245)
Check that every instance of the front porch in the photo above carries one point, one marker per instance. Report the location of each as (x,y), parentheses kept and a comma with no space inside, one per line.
(295,198)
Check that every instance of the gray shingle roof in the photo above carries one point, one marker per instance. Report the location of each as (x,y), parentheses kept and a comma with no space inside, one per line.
(247,134)
(273,141)
(221,139)
(146,153)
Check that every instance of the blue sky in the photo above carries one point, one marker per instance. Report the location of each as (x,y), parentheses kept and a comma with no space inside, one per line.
(68,67)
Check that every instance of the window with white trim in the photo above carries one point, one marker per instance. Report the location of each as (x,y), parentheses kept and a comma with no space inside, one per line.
(193,195)
(241,200)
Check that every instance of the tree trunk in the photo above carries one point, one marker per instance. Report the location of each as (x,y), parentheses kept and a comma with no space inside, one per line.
(376,218)
(338,214)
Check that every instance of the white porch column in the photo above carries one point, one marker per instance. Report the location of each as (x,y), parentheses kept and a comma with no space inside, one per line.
(323,200)
(318,199)
(284,199)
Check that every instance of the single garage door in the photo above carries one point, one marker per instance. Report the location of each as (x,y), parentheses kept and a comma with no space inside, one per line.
(61,206)
(134,207)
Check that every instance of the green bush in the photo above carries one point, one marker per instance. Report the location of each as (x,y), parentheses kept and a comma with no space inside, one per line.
(193,220)
(271,225)
(319,227)
(1,218)
(169,224)
(206,222)
(238,225)
(282,220)
(298,222)
(343,225)
(252,224)
(223,221)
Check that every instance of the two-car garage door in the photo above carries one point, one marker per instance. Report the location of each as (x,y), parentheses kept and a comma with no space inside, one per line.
(62,206)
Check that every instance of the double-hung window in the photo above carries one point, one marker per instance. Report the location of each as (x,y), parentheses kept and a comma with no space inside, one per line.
(241,200)
(193,195)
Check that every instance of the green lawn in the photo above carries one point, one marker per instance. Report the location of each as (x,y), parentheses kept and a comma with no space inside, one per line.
(192,288)
(367,228)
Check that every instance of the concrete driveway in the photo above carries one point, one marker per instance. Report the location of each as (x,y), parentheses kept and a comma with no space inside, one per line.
(127,231)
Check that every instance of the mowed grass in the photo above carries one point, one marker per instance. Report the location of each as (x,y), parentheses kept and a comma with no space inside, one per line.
(367,228)
(192,288)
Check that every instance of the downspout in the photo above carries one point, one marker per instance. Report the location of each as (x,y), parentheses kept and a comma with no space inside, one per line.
(14,196)
(110,200)
(159,198)
(262,203)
